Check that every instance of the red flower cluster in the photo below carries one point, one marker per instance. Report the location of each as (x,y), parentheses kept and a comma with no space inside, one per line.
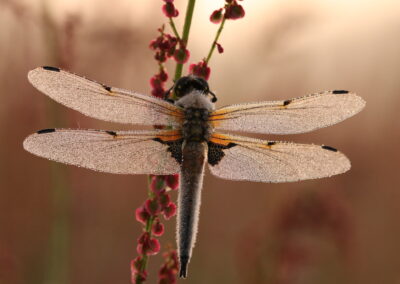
(169,270)
(148,215)
(165,47)
(161,202)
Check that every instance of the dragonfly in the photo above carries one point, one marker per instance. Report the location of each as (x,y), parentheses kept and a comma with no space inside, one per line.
(195,136)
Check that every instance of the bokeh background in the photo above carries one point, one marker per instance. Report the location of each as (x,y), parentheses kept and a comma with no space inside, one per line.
(61,224)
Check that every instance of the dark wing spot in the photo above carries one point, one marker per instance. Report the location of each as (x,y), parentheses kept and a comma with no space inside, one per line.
(329,148)
(271,143)
(107,88)
(338,92)
(285,103)
(216,152)
(113,133)
(48,130)
(174,147)
(50,68)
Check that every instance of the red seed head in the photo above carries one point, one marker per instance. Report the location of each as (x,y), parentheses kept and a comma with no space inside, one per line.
(164,199)
(169,10)
(181,55)
(158,92)
(216,16)
(172,181)
(152,206)
(158,228)
(234,11)
(142,215)
(157,184)
(219,48)
(136,264)
(160,56)
(156,82)
(138,277)
(163,75)
(170,210)
(200,69)
(147,245)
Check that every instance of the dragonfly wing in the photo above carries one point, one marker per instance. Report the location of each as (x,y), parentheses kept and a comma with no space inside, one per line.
(123,152)
(242,158)
(291,116)
(100,101)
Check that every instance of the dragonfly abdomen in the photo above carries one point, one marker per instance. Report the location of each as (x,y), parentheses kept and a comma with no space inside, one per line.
(194,156)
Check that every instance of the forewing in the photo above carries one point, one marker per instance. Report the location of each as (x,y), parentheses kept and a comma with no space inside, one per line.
(291,116)
(124,152)
(268,161)
(100,101)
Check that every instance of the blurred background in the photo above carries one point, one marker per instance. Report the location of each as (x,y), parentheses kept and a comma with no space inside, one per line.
(62,224)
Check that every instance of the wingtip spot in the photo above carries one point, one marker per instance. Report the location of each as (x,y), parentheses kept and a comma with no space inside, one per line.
(47,130)
(338,92)
(112,133)
(285,103)
(50,68)
(107,88)
(329,148)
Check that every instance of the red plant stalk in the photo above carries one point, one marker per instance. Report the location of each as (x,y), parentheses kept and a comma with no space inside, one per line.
(167,46)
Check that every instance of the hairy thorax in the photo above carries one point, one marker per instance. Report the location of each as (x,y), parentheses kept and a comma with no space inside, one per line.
(195,126)
(197,108)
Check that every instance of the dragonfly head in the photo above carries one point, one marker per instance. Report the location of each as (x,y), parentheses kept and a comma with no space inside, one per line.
(186,85)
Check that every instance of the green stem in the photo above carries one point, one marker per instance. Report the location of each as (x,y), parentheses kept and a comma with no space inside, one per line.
(214,44)
(57,268)
(185,35)
(173,27)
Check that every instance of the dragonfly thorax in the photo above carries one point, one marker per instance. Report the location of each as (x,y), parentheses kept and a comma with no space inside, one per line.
(195,126)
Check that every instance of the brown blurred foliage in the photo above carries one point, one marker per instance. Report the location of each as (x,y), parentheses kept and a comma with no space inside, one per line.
(62,224)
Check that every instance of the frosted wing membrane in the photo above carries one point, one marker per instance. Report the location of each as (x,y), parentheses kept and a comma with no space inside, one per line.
(291,116)
(267,161)
(124,152)
(102,102)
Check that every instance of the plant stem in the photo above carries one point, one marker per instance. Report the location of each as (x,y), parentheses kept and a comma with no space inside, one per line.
(185,35)
(173,27)
(214,44)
